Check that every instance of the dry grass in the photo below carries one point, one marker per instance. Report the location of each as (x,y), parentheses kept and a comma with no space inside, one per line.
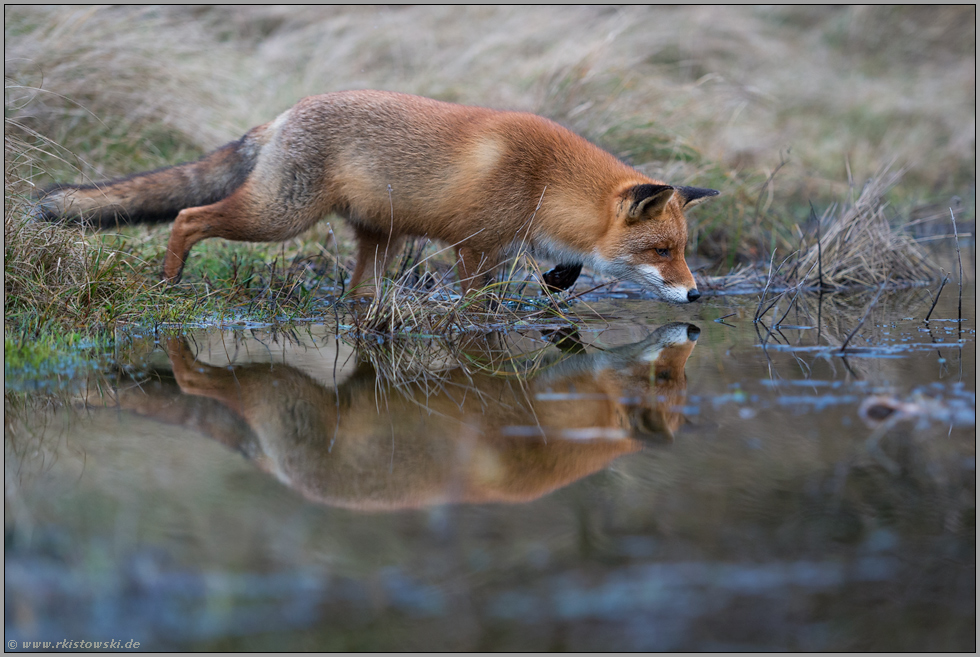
(100,83)
(421,300)
(34,250)
(672,89)
(407,362)
(858,246)
(713,97)
(52,274)
(851,245)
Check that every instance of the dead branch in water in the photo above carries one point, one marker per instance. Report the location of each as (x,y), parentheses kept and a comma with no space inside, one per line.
(936,300)
(956,239)
(865,316)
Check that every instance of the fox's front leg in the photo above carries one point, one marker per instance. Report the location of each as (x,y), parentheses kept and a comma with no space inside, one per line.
(475,267)
(374,252)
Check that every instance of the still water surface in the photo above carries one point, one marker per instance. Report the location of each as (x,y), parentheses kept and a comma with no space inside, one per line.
(653,479)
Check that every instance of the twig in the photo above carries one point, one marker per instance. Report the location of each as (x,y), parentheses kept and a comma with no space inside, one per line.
(762,341)
(591,289)
(772,303)
(866,313)
(956,238)
(765,290)
(813,213)
(799,255)
(936,300)
(819,316)
(772,276)
(847,366)
(799,288)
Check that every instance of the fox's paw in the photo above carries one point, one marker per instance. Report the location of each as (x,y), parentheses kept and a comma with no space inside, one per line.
(171,280)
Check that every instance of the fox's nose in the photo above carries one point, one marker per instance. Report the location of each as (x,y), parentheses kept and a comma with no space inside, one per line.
(693,295)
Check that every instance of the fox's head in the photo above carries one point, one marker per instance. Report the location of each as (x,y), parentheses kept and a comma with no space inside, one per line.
(665,360)
(648,244)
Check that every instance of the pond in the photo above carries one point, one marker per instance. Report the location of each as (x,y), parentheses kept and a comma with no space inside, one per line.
(649,478)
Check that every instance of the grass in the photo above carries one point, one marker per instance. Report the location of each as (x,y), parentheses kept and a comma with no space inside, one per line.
(776,107)
(858,247)
(66,285)
(849,245)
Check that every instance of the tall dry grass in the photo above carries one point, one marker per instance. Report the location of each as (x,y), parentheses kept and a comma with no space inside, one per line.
(52,276)
(710,96)
(671,88)
(855,245)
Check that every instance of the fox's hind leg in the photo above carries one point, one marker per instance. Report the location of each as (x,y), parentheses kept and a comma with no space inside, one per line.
(191,226)
(374,252)
(195,378)
(243,217)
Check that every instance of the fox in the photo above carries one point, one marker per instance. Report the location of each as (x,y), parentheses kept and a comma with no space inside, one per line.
(370,443)
(487,182)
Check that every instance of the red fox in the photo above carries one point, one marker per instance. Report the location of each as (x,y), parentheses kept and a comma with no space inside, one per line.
(394,165)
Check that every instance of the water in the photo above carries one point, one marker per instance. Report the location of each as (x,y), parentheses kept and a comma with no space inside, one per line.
(653,479)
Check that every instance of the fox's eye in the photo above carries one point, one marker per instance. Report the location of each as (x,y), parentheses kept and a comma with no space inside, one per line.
(663,253)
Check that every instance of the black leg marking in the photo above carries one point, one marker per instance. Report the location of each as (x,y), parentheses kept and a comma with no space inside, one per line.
(565,338)
(562,277)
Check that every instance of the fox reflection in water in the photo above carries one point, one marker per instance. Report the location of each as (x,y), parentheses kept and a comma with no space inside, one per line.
(466,436)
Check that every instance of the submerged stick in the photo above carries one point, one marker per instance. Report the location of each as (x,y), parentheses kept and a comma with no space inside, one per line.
(936,300)
(770,306)
(866,313)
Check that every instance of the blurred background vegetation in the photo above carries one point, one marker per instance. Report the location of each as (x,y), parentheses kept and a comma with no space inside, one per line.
(777,107)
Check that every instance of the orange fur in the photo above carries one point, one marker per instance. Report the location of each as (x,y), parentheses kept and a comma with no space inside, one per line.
(395,165)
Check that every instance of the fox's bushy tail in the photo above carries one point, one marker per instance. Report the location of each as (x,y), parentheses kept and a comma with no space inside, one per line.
(154,196)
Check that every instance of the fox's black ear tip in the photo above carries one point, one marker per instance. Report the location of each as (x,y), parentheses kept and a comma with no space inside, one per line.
(694,195)
(698,192)
(646,190)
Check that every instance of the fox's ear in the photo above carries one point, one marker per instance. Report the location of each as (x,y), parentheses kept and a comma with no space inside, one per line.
(691,196)
(646,201)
